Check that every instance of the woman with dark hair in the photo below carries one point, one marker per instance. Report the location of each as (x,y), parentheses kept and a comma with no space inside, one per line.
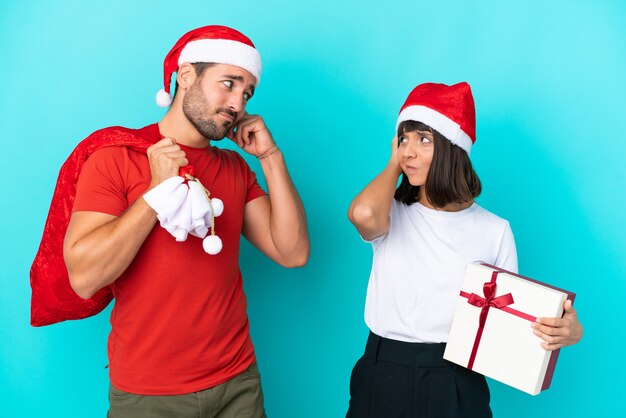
(424,233)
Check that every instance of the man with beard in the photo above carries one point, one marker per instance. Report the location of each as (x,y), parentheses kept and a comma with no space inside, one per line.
(180,343)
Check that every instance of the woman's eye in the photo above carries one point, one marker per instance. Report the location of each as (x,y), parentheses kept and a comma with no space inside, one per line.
(402,139)
(426,140)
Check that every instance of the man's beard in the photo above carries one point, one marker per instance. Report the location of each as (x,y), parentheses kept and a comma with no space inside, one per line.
(196,109)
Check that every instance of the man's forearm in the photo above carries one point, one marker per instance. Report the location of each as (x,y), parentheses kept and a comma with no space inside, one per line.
(288,226)
(98,248)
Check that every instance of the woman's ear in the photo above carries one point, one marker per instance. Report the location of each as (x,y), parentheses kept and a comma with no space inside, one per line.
(185,76)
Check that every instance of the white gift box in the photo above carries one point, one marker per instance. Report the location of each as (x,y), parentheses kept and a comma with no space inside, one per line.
(505,348)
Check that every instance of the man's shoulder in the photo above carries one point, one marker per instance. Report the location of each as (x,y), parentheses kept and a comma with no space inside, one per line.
(110,137)
(115,130)
(114,135)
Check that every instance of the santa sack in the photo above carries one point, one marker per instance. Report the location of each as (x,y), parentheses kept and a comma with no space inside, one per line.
(53,299)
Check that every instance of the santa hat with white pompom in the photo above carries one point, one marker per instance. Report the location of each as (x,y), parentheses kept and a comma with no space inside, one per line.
(211,44)
(447,109)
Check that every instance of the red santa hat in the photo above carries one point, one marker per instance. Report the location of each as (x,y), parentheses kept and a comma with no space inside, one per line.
(447,109)
(217,44)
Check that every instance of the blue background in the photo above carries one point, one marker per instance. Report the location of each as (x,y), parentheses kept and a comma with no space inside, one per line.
(549,80)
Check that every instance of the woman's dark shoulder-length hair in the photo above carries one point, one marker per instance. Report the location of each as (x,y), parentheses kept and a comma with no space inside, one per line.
(451,177)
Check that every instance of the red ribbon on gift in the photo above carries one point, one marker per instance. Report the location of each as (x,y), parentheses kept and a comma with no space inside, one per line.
(485,303)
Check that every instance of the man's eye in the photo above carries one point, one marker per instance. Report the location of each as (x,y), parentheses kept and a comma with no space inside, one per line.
(228,83)
(246,96)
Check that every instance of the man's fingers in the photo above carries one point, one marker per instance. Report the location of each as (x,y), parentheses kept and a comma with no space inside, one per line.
(167,141)
(251,134)
(245,117)
(237,136)
(243,132)
(165,157)
(246,130)
(174,153)
(230,134)
(234,136)
(162,149)
(162,143)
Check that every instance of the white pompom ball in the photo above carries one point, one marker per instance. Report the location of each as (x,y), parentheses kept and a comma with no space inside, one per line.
(163,98)
(212,244)
(218,206)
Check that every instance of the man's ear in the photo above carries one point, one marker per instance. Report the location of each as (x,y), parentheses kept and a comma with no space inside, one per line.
(185,76)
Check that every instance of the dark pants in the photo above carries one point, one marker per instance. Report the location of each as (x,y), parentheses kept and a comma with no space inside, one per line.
(241,396)
(399,379)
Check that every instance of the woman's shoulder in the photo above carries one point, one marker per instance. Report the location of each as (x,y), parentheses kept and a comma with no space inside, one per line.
(400,209)
(487,216)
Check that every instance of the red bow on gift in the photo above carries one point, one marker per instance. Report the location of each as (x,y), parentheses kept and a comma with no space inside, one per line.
(489,290)
(489,301)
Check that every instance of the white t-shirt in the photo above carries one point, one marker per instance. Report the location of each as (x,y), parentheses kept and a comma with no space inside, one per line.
(419,265)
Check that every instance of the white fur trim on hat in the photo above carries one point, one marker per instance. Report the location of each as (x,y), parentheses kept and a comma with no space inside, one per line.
(441,123)
(223,51)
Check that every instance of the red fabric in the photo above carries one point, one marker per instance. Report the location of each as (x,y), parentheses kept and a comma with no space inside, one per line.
(456,102)
(179,323)
(53,300)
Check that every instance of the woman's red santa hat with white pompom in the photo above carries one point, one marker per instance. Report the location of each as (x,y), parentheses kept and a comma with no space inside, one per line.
(447,109)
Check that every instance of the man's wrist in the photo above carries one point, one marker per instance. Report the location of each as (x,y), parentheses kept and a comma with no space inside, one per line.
(269,152)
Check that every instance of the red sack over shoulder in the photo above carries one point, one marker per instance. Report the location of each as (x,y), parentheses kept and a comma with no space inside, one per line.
(53,300)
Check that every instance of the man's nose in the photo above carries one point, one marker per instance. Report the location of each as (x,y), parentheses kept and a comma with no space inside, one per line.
(235,102)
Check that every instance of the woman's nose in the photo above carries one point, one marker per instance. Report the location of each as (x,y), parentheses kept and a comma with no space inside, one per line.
(411,150)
